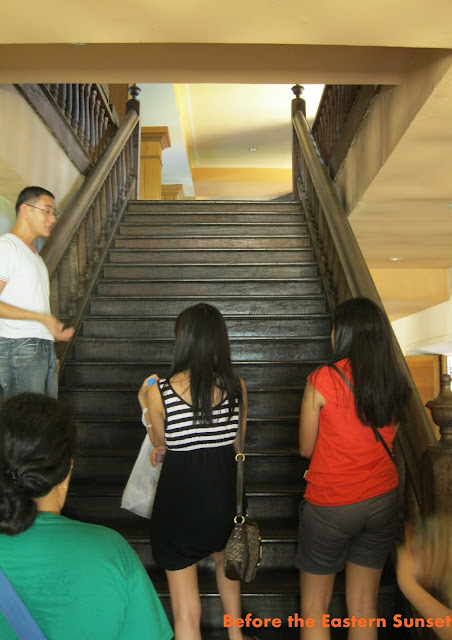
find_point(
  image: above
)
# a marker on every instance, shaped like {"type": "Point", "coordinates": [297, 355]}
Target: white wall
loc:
{"type": "Point", "coordinates": [158, 109]}
{"type": "Point", "coordinates": [428, 331]}
{"type": "Point", "coordinates": [29, 155]}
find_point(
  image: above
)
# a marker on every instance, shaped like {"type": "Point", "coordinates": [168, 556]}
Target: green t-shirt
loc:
{"type": "Point", "coordinates": [81, 582]}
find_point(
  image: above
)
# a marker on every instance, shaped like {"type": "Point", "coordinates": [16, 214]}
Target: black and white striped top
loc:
{"type": "Point", "coordinates": [182, 434]}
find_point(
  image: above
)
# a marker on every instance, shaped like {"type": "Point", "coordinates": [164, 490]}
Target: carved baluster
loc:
{"type": "Point", "coordinates": [75, 108]}
{"type": "Point", "coordinates": [115, 192]}
{"type": "Point", "coordinates": [81, 255]}
{"type": "Point", "coordinates": [336, 116]}
{"type": "Point", "coordinates": [325, 131]}
{"type": "Point", "coordinates": [96, 229]}
{"type": "Point", "coordinates": [119, 180]}
{"type": "Point", "coordinates": [81, 124]}
{"type": "Point", "coordinates": [437, 459]}
{"type": "Point", "coordinates": [68, 279]}
{"type": "Point", "coordinates": [321, 134]}
{"type": "Point", "coordinates": [69, 102]}
{"type": "Point", "coordinates": [92, 122]}
{"type": "Point", "coordinates": [128, 169]}
{"type": "Point", "coordinates": [97, 129]}
{"type": "Point", "coordinates": [131, 157]}
{"type": "Point", "coordinates": [122, 159]}
{"type": "Point", "coordinates": [89, 242]}
{"type": "Point", "coordinates": [329, 115]}
{"type": "Point", "coordinates": [332, 124]}
{"type": "Point", "coordinates": [341, 110]}
{"type": "Point", "coordinates": [118, 185]}
{"type": "Point", "coordinates": [62, 97]}
{"type": "Point", "coordinates": [101, 145]}
{"type": "Point", "coordinates": [55, 298]}
{"type": "Point", "coordinates": [87, 116]}
{"type": "Point", "coordinates": [62, 287]}
{"type": "Point", "coordinates": [109, 201]}
{"type": "Point", "coordinates": [105, 135]}
{"type": "Point", "coordinates": [54, 91]}
{"type": "Point", "coordinates": [103, 213]}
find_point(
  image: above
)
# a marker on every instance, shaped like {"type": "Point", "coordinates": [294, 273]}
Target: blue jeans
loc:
{"type": "Point", "coordinates": [28, 364]}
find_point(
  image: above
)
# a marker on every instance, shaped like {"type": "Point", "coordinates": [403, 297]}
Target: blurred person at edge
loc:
{"type": "Point", "coordinates": [77, 580]}
{"type": "Point", "coordinates": [424, 564]}
{"type": "Point", "coordinates": [28, 330]}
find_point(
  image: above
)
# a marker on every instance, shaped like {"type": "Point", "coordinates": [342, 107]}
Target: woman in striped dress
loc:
{"type": "Point", "coordinates": [194, 415]}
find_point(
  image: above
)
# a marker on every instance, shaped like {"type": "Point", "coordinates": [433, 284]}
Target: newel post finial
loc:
{"type": "Point", "coordinates": [297, 90]}
{"type": "Point", "coordinates": [437, 458]}
{"type": "Point", "coordinates": [134, 91]}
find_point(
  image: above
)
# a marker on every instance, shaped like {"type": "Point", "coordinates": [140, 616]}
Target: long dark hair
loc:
{"type": "Point", "coordinates": [202, 348]}
{"type": "Point", "coordinates": [37, 444]}
{"type": "Point", "coordinates": [362, 334]}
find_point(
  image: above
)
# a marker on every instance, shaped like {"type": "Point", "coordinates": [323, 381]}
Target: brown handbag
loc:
{"type": "Point", "coordinates": [243, 551]}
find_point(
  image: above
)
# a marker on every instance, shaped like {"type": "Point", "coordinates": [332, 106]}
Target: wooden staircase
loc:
{"type": "Point", "coordinates": [255, 262]}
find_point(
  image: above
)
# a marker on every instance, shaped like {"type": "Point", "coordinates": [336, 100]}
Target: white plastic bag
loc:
{"type": "Point", "coordinates": [139, 494]}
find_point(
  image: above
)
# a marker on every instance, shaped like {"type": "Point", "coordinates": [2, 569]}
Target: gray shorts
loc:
{"type": "Point", "coordinates": [362, 533]}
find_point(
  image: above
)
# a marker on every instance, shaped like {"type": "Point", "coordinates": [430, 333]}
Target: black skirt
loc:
{"type": "Point", "coordinates": [194, 506]}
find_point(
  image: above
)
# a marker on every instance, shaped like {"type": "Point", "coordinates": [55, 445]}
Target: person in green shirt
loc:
{"type": "Point", "coordinates": [79, 581]}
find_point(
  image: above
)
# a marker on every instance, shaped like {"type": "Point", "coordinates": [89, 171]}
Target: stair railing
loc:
{"type": "Point", "coordinates": [78, 115]}
{"type": "Point", "coordinates": [75, 251]}
{"type": "Point", "coordinates": [340, 115]}
{"type": "Point", "coordinates": [346, 275]}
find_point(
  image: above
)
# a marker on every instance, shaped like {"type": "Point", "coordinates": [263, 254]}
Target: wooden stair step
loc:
{"type": "Point", "coordinates": [150, 216]}
{"type": "Point", "coordinates": [124, 271]}
{"type": "Point", "coordinates": [96, 432]}
{"type": "Point", "coordinates": [250, 306]}
{"type": "Point", "coordinates": [99, 502]}
{"type": "Point", "coordinates": [163, 327]}
{"type": "Point", "coordinates": [160, 349]}
{"type": "Point", "coordinates": [212, 242]}
{"type": "Point", "coordinates": [85, 373]}
{"type": "Point", "coordinates": [174, 288]}
{"type": "Point", "coordinates": [225, 207]}
{"type": "Point", "coordinates": [233, 255]}
{"type": "Point", "coordinates": [190, 228]}
{"type": "Point", "coordinates": [264, 401]}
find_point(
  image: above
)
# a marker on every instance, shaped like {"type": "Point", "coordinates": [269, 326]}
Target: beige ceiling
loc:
{"type": "Point", "coordinates": [381, 23]}
{"type": "Point", "coordinates": [401, 211]}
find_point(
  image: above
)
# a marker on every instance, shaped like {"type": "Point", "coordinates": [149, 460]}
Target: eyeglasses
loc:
{"type": "Point", "coordinates": [46, 211]}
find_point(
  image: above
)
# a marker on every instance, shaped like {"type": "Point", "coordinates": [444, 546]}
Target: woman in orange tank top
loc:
{"type": "Point", "coordinates": [350, 516]}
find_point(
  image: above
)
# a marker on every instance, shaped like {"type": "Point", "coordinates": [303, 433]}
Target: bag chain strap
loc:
{"type": "Point", "coordinates": [240, 459]}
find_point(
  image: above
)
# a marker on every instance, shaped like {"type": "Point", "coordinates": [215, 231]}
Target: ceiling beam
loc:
{"type": "Point", "coordinates": [191, 63]}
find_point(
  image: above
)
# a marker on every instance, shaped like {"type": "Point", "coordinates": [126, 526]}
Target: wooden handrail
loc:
{"type": "Point", "coordinates": [77, 248]}
{"type": "Point", "coordinates": [335, 244]}
{"type": "Point", "coordinates": [58, 243]}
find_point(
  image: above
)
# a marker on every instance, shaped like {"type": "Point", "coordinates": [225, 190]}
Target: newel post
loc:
{"type": "Point", "coordinates": [437, 458]}
{"type": "Point", "coordinates": [298, 104]}
{"type": "Point", "coordinates": [134, 104]}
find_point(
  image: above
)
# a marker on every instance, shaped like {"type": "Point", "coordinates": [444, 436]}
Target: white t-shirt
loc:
{"type": "Point", "coordinates": [27, 287]}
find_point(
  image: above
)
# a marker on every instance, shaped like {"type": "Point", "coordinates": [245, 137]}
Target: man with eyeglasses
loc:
{"type": "Point", "coordinates": [28, 330]}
